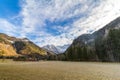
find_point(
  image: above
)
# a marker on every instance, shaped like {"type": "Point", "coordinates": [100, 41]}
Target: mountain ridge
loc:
{"type": "Point", "coordinates": [56, 49]}
{"type": "Point", "coordinates": [93, 47]}
{"type": "Point", "coordinates": [13, 47]}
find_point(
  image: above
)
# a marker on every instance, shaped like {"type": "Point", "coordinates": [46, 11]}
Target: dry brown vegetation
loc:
{"type": "Point", "coordinates": [55, 70]}
{"type": "Point", "coordinates": [7, 50]}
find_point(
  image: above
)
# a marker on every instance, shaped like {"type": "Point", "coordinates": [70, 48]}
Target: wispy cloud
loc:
{"type": "Point", "coordinates": [58, 22]}
{"type": "Point", "coordinates": [101, 15]}
{"type": "Point", "coordinates": [7, 27]}
{"type": "Point", "coordinates": [54, 18]}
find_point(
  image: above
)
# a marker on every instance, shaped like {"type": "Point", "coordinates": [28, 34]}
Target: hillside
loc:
{"type": "Point", "coordinates": [102, 45]}
{"type": "Point", "coordinates": [11, 46]}
{"type": "Point", "coordinates": [28, 47]}
{"type": "Point", "coordinates": [7, 50]}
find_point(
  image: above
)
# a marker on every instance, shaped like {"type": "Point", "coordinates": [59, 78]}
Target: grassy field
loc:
{"type": "Point", "coordinates": [55, 70]}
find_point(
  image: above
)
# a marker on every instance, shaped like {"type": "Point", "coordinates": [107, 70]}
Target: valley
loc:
{"type": "Point", "coordinates": [59, 39]}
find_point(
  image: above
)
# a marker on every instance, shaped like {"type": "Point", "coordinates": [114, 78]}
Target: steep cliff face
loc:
{"type": "Point", "coordinates": [102, 45]}
{"type": "Point", "coordinates": [108, 48]}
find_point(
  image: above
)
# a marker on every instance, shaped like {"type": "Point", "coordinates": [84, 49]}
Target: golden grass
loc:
{"type": "Point", "coordinates": [32, 48]}
{"type": "Point", "coordinates": [55, 70]}
{"type": "Point", "coordinates": [7, 50]}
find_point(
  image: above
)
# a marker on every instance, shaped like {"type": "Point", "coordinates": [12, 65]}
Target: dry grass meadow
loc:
{"type": "Point", "coordinates": [55, 70]}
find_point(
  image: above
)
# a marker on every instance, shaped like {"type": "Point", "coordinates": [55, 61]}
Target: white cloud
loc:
{"type": "Point", "coordinates": [36, 12]}
{"type": "Point", "coordinates": [7, 27]}
{"type": "Point", "coordinates": [80, 16]}
{"type": "Point", "coordinates": [49, 40]}
{"type": "Point", "coordinates": [107, 11]}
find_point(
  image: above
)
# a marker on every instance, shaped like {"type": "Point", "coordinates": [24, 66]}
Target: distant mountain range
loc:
{"type": "Point", "coordinates": [56, 49]}
{"type": "Point", "coordinates": [102, 45]}
{"type": "Point", "coordinates": [51, 48]}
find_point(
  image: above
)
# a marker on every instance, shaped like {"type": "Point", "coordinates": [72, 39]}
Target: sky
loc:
{"type": "Point", "coordinates": [55, 22]}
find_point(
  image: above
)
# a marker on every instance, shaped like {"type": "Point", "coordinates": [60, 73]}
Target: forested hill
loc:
{"type": "Point", "coordinates": [102, 45]}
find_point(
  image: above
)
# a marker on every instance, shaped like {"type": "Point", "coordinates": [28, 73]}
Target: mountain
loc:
{"type": "Point", "coordinates": [51, 48]}
{"type": "Point", "coordinates": [102, 45]}
{"type": "Point", "coordinates": [27, 47]}
{"type": "Point", "coordinates": [103, 32]}
{"type": "Point", "coordinates": [6, 48]}
{"type": "Point", "coordinates": [63, 48]}
{"type": "Point", "coordinates": [13, 47]}
{"type": "Point", "coordinates": [56, 49]}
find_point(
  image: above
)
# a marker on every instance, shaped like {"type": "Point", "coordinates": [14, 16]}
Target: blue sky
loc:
{"type": "Point", "coordinates": [9, 8]}
{"type": "Point", "coordinates": [56, 22]}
